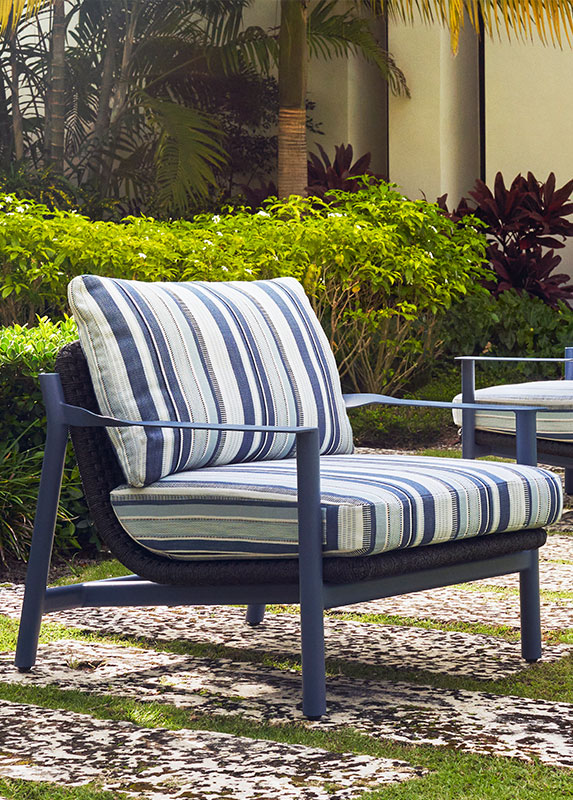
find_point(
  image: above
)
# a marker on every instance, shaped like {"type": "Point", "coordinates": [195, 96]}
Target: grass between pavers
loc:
{"type": "Point", "coordinates": [548, 681]}
{"type": "Point", "coordinates": [509, 591]}
{"type": "Point", "coordinates": [453, 775]}
{"type": "Point", "coordinates": [16, 789]}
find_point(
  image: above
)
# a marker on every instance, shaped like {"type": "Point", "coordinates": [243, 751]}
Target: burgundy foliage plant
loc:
{"type": "Point", "coordinates": [338, 174]}
{"type": "Point", "coordinates": [525, 224]}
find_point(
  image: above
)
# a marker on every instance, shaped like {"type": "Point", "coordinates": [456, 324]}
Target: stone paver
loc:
{"type": "Point", "coordinates": [557, 547]}
{"type": "Point", "coordinates": [447, 652]}
{"type": "Point", "coordinates": [471, 721]}
{"type": "Point", "coordinates": [457, 604]}
{"type": "Point", "coordinates": [72, 749]}
{"type": "Point", "coordinates": [41, 744]}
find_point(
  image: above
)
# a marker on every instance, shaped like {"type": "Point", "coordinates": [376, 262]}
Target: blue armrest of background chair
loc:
{"type": "Point", "coordinates": [484, 437]}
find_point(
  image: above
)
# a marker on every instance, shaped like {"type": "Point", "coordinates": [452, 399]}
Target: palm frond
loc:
{"type": "Point", "coordinates": [331, 33]}
{"type": "Point", "coordinates": [551, 20]}
{"type": "Point", "coordinates": [188, 151]}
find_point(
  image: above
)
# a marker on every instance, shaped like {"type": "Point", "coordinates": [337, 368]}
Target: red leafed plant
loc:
{"type": "Point", "coordinates": [338, 174]}
{"type": "Point", "coordinates": [525, 224]}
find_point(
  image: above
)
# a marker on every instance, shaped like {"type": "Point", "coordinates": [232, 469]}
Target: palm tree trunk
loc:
{"type": "Point", "coordinates": [120, 94]}
{"type": "Point", "coordinates": [54, 141]}
{"type": "Point", "coordinates": [292, 76]}
{"type": "Point", "coordinates": [103, 118]}
{"type": "Point", "coordinates": [17, 130]}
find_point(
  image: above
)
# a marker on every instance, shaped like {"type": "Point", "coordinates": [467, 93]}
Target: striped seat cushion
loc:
{"type": "Point", "coordinates": [237, 352]}
{"type": "Point", "coordinates": [370, 504]}
{"type": "Point", "coordinates": [555, 425]}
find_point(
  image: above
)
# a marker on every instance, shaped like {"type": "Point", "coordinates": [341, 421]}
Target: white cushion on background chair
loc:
{"type": "Point", "coordinates": [554, 394]}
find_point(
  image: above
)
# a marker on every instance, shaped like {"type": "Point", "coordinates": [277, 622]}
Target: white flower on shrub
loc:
{"type": "Point", "coordinates": [142, 255]}
{"type": "Point", "coordinates": [262, 214]}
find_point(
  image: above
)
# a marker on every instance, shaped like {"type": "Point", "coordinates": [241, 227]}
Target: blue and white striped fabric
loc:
{"type": "Point", "coordinates": [370, 504]}
{"type": "Point", "coordinates": [237, 352]}
{"type": "Point", "coordinates": [556, 425]}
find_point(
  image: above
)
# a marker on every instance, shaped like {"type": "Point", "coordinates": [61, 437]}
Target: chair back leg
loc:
{"type": "Point", "coordinates": [530, 609]}
{"type": "Point", "coordinates": [255, 614]}
{"type": "Point", "coordinates": [468, 414]}
{"type": "Point", "coordinates": [44, 527]}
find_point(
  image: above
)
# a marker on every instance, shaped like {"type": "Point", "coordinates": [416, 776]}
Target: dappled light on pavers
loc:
{"type": "Point", "coordinates": [63, 747]}
{"type": "Point", "coordinates": [470, 604]}
{"type": "Point", "coordinates": [472, 721]}
{"type": "Point", "coordinates": [397, 647]}
{"type": "Point", "coordinates": [148, 762]}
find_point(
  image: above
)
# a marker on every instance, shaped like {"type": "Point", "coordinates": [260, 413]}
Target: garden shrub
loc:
{"type": "Point", "coordinates": [511, 324]}
{"type": "Point", "coordinates": [381, 270]}
{"type": "Point", "coordinates": [24, 353]}
{"type": "Point", "coordinates": [411, 427]}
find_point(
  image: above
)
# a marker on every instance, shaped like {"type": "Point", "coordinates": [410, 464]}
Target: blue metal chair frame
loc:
{"type": "Point", "coordinates": [313, 594]}
{"type": "Point", "coordinates": [502, 444]}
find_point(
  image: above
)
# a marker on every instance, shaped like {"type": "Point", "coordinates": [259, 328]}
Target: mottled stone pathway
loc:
{"type": "Point", "coordinates": [472, 721]}
{"type": "Point", "coordinates": [398, 647]}
{"type": "Point", "coordinates": [44, 745]}
{"type": "Point", "coordinates": [470, 604]}
{"type": "Point", "coordinates": [72, 749]}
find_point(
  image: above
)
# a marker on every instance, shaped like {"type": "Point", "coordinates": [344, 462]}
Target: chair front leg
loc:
{"type": "Point", "coordinates": [310, 576]}
{"type": "Point", "coordinates": [530, 609]}
{"type": "Point", "coordinates": [44, 527]}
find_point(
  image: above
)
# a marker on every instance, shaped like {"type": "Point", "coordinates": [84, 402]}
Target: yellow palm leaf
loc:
{"type": "Point", "coordinates": [12, 10]}
{"type": "Point", "coordinates": [551, 19]}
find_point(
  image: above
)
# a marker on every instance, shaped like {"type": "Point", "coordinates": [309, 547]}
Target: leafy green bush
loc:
{"type": "Point", "coordinates": [380, 269]}
{"type": "Point", "coordinates": [24, 353]}
{"type": "Point", "coordinates": [410, 427]}
{"type": "Point", "coordinates": [512, 324]}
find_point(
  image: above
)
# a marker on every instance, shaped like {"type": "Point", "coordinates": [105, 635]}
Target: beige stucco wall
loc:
{"type": "Point", "coordinates": [529, 114]}
{"type": "Point", "coordinates": [434, 135]}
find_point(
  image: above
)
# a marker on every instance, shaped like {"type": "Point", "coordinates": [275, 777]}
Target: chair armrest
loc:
{"type": "Point", "coordinates": [525, 428]}
{"type": "Point", "coordinates": [511, 358]}
{"type": "Point", "coordinates": [358, 400]}
{"type": "Point", "coordinates": [82, 418]}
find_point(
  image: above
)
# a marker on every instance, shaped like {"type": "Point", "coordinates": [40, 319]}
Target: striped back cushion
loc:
{"type": "Point", "coordinates": [236, 352]}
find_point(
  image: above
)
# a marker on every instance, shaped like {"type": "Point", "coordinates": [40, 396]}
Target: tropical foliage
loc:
{"type": "Point", "coordinates": [160, 102]}
{"type": "Point", "coordinates": [340, 173]}
{"type": "Point", "coordinates": [525, 224]}
{"type": "Point", "coordinates": [24, 353]}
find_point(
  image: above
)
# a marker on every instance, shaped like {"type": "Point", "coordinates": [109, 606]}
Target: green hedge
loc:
{"type": "Point", "coordinates": [512, 324]}
{"type": "Point", "coordinates": [381, 270]}
{"type": "Point", "coordinates": [24, 353]}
